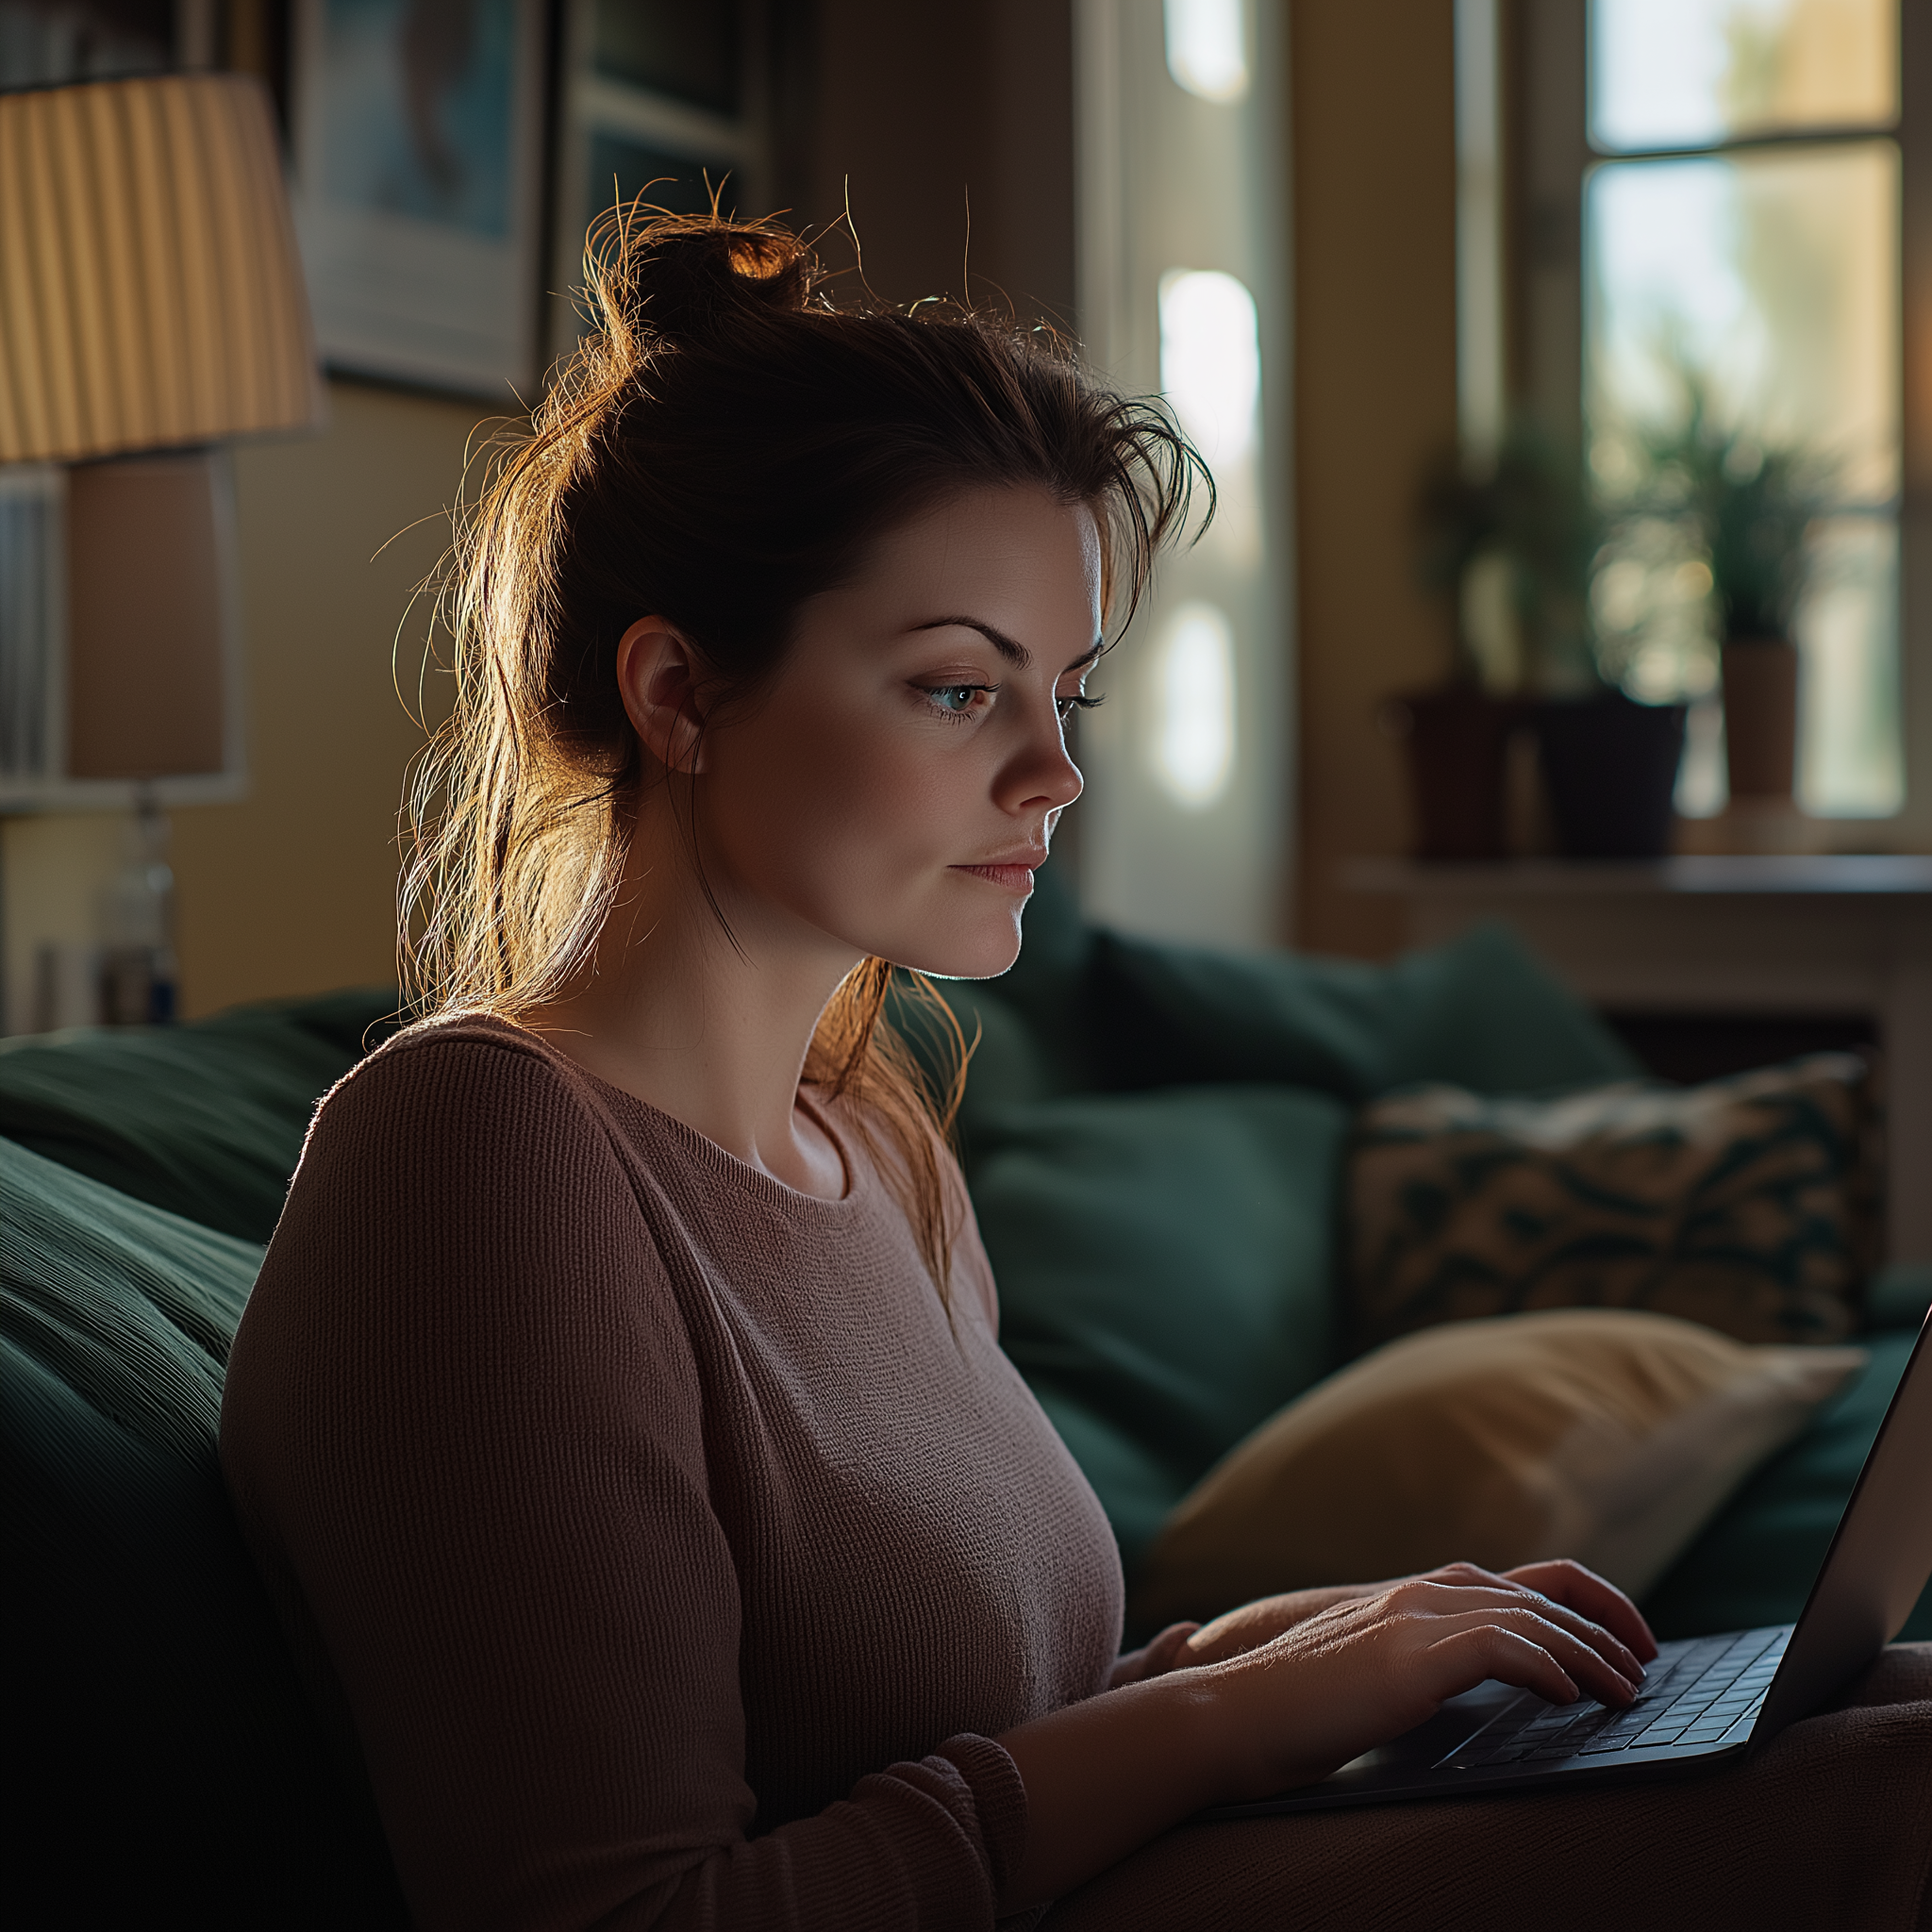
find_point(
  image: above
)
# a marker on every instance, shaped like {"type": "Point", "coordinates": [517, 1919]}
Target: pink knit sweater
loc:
{"type": "Point", "coordinates": [668, 1554]}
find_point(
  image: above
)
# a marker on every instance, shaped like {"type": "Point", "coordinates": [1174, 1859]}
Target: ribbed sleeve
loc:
{"type": "Point", "coordinates": [516, 1458]}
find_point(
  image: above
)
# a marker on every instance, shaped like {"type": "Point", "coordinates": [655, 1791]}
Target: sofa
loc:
{"type": "Point", "coordinates": [1156, 1137]}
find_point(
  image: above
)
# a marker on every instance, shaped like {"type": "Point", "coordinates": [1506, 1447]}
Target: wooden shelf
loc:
{"type": "Point", "coordinates": [1884, 875]}
{"type": "Point", "coordinates": [1817, 934]}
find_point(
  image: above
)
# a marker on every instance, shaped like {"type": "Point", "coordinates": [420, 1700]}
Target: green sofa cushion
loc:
{"type": "Point", "coordinates": [1755, 1563]}
{"type": "Point", "coordinates": [1166, 1271]}
{"type": "Point", "coordinates": [1480, 1012]}
{"type": "Point", "coordinates": [1086, 1010]}
{"type": "Point", "coordinates": [179, 1776]}
{"type": "Point", "coordinates": [206, 1120]}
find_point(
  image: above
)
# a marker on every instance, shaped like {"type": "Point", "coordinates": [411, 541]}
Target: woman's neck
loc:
{"type": "Point", "coordinates": [712, 1032]}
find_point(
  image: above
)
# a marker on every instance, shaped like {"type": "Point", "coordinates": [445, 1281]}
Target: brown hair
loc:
{"type": "Point", "coordinates": [723, 445]}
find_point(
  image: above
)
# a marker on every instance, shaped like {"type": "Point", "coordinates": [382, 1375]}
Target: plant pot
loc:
{"type": "Point", "coordinates": [1611, 767]}
{"type": "Point", "coordinates": [1760, 677]}
{"type": "Point", "coordinates": [1456, 737]}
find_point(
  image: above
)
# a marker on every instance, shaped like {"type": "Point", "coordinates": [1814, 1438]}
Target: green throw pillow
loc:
{"type": "Point", "coordinates": [206, 1120]}
{"type": "Point", "coordinates": [1085, 1010]}
{"type": "Point", "coordinates": [170, 1769]}
{"type": "Point", "coordinates": [1166, 1271]}
{"type": "Point", "coordinates": [1480, 1012]}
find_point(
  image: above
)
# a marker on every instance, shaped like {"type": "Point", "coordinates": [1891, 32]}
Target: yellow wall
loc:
{"type": "Point", "coordinates": [1373, 132]}
{"type": "Point", "coordinates": [293, 889]}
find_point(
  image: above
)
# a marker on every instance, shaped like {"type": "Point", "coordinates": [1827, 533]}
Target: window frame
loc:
{"type": "Point", "coordinates": [1544, 57]}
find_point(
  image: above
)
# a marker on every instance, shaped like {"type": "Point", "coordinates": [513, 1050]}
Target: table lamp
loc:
{"type": "Point", "coordinates": [152, 311]}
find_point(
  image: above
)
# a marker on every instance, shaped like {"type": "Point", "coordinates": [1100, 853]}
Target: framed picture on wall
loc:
{"type": "Point", "coordinates": [661, 94]}
{"type": "Point", "coordinates": [418, 131]}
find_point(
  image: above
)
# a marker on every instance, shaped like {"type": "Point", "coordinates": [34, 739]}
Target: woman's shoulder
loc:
{"type": "Point", "coordinates": [471, 1096]}
{"type": "Point", "coordinates": [454, 1167]}
{"type": "Point", "coordinates": [485, 1040]}
{"type": "Point", "coordinates": [454, 1062]}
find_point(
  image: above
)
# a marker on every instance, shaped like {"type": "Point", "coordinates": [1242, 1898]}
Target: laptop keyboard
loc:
{"type": "Point", "coordinates": [1695, 1693]}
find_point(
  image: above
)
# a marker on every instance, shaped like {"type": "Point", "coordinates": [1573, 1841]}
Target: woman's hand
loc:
{"type": "Point", "coordinates": [1253, 1625]}
{"type": "Point", "coordinates": [1366, 1668]}
{"type": "Point", "coordinates": [1293, 1687]}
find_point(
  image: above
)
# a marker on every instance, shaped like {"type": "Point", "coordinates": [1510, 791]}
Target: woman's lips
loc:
{"type": "Point", "coordinates": [1015, 878]}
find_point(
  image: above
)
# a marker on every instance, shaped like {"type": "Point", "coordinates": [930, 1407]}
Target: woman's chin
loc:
{"type": "Point", "coordinates": [984, 953]}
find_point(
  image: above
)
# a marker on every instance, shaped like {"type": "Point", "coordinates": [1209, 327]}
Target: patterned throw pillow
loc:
{"type": "Point", "coordinates": [1749, 1204]}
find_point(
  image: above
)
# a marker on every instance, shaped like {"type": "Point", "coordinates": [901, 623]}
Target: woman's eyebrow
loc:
{"type": "Point", "coordinates": [1012, 649]}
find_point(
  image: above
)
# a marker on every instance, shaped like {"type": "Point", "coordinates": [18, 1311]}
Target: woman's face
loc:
{"type": "Point", "coordinates": [893, 787]}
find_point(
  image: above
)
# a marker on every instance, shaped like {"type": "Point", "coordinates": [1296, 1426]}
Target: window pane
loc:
{"type": "Point", "coordinates": [1772, 278]}
{"type": "Point", "coordinates": [1850, 760]}
{"type": "Point", "coordinates": [1775, 274]}
{"type": "Point", "coordinates": [1693, 72]}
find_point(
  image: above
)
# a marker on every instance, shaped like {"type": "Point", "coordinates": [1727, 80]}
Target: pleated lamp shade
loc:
{"type": "Point", "coordinates": [151, 294]}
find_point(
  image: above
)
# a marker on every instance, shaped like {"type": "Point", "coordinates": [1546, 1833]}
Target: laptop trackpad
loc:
{"type": "Point", "coordinates": [1415, 1750]}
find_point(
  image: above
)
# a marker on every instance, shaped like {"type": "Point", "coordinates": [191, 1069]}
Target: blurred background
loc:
{"type": "Point", "coordinates": [1565, 367]}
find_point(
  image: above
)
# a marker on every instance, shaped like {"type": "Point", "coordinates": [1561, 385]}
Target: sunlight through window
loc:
{"type": "Point", "coordinates": [1206, 51]}
{"type": "Point", "coordinates": [1763, 275]}
{"type": "Point", "coordinates": [1193, 745]}
{"type": "Point", "coordinates": [1211, 360]}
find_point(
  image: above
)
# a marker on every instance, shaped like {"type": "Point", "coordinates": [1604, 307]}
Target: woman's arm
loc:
{"type": "Point", "coordinates": [1105, 1776]}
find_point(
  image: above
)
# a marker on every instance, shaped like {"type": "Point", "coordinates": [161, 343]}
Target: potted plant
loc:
{"type": "Point", "coordinates": [1745, 508]}
{"type": "Point", "coordinates": [1514, 542]}
{"type": "Point", "coordinates": [1492, 545]}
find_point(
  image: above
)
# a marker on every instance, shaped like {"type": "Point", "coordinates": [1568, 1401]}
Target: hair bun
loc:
{"type": "Point", "coordinates": [679, 279]}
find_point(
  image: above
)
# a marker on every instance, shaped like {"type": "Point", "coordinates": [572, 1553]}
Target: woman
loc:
{"type": "Point", "coordinates": [619, 1419]}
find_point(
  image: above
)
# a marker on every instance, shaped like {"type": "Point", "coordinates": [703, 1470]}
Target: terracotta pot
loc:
{"type": "Point", "coordinates": [1761, 716]}
{"type": "Point", "coordinates": [1455, 737]}
{"type": "Point", "coordinates": [1610, 766]}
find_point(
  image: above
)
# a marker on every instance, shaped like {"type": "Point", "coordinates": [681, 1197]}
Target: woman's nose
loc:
{"type": "Point", "coordinates": [1041, 775]}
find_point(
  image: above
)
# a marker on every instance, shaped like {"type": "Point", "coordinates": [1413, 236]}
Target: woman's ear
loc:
{"type": "Point", "coordinates": [659, 675]}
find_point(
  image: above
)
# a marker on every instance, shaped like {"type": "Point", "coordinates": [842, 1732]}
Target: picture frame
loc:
{"type": "Point", "coordinates": [664, 95]}
{"type": "Point", "coordinates": [416, 139]}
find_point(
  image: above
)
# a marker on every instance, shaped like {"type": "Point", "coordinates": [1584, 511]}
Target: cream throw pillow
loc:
{"type": "Point", "coordinates": [1602, 1434]}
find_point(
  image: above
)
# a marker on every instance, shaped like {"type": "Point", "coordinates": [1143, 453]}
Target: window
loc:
{"type": "Point", "coordinates": [1731, 194]}
{"type": "Point", "coordinates": [1740, 233]}
{"type": "Point", "coordinates": [1182, 831]}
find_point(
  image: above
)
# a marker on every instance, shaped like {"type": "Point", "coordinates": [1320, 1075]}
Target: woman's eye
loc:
{"type": "Point", "coordinates": [957, 700]}
{"type": "Point", "coordinates": [1074, 701]}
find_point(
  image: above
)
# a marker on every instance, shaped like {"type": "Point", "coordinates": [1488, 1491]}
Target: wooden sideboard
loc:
{"type": "Point", "coordinates": [1726, 936]}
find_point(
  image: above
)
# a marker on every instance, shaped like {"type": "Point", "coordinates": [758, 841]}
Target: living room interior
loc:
{"type": "Point", "coordinates": [1423, 833]}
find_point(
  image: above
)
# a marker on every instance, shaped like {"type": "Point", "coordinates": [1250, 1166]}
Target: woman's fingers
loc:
{"type": "Point", "coordinates": [1365, 1669]}
{"type": "Point", "coordinates": [1583, 1664]}
{"type": "Point", "coordinates": [1153, 1660]}
{"type": "Point", "coordinates": [1500, 1596]}
{"type": "Point", "coordinates": [1163, 1651]}
{"type": "Point", "coordinates": [1568, 1582]}
{"type": "Point", "coordinates": [1463, 1660]}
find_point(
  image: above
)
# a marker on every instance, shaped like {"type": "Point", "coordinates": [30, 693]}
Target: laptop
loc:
{"type": "Point", "coordinates": [1707, 1700]}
